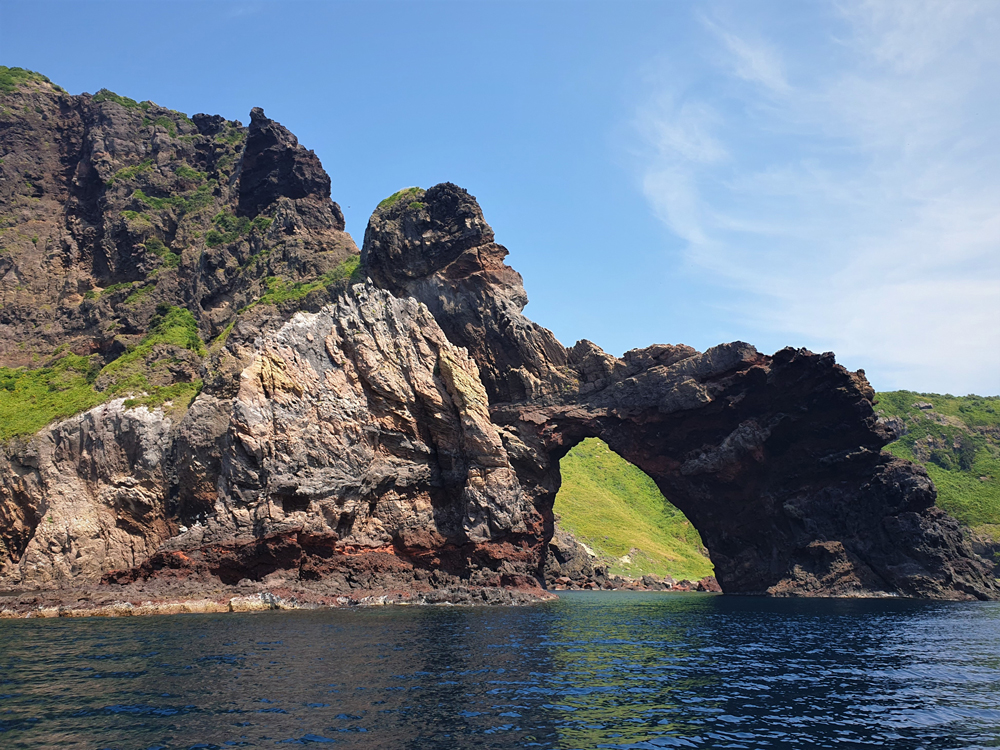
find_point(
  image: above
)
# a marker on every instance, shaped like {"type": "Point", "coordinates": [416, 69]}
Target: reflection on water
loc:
{"type": "Point", "coordinates": [615, 670]}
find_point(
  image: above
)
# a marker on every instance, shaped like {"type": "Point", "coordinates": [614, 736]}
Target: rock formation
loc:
{"type": "Point", "coordinates": [395, 434]}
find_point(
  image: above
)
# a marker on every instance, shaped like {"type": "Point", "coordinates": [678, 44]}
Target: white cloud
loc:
{"type": "Point", "coordinates": [858, 204]}
{"type": "Point", "coordinates": [751, 59]}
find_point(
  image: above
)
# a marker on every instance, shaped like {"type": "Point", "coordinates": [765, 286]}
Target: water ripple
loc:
{"type": "Point", "coordinates": [591, 670]}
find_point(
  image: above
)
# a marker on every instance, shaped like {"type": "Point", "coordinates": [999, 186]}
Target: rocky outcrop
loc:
{"type": "Point", "coordinates": [362, 428]}
{"type": "Point", "coordinates": [775, 460]}
{"type": "Point", "coordinates": [435, 246]}
{"type": "Point", "coordinates": [399, 437]}
{"type": "Point", "coordinates": [111, 207]}
{"type": "Point", "coordinates": [86, 495]}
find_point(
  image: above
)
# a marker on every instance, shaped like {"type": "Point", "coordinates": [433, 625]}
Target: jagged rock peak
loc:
{"type": "Point", "coordinates": [275, 166]}
{"type": "Point", "coordinates": [434, 245]}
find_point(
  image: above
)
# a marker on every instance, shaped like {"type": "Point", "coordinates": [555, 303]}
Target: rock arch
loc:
{"type": "Point", "coordinates": [776, 460]}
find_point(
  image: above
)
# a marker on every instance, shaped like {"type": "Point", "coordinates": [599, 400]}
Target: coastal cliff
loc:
{"type": "Point", "coordinates": [210, 391]}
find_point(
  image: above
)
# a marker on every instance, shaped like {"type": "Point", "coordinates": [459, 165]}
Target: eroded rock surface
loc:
{"type": "Point", "coordinates": [394, 438]}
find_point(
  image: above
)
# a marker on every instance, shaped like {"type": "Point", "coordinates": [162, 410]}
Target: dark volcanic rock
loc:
{"type": "Point", "coordinates": [435, 246]}
{"type": "Point", "coordinates": [99, 200]}
{"type": "Point", "coordinates": [389, 439]}
{"type": "Point", "coordinates": [275, 166]}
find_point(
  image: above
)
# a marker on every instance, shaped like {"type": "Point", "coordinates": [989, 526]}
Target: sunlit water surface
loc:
{"type": "Point", "coordinates": [616, 670]}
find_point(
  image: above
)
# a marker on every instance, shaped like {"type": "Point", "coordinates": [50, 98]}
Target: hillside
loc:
{"type": "Point", "coordinates": [957, 439]}
{"type": "Point", "coordinates": [617, 511]}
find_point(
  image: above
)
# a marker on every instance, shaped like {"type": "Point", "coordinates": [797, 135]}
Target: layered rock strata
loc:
{"type": "Point", "coordinates": [398, 437]}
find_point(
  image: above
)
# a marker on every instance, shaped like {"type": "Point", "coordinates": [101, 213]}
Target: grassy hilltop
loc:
{"type": "Point", "coordinates": [615, 509]}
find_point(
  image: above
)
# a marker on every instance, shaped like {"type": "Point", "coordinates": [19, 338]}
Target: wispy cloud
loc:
{"type": "Point", "coordinates": [856, 202]}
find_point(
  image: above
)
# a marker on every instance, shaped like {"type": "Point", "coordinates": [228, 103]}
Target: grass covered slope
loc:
{"type": "Point", "coordinates": [69, 384]}
{"type": "Point", "coordinates": [618, 511]}
{"type": "Point", "coordinates": [957, 439]}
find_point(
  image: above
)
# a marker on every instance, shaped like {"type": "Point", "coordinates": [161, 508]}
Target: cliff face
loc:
{"type": "Point", "coordinates": [110, 208]}
{"type": "Point", "coordinates": [394, 434]}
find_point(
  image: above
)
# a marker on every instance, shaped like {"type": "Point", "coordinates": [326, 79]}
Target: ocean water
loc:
{"type": "Point", "coordinates": [592, 670]}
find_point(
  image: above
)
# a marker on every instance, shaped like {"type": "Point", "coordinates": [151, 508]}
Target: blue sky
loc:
{"type": "Point", "coordinates": [808, 174]}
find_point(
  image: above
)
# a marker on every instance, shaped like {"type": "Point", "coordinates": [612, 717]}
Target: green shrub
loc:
{"type": "Point", "coordinates": [128, 173]}
{"type": "Point", "coordinates": [280, 291]}
{"type": "Point", "coordinates": [11, 78]}
{"type": "Point", "coordinates": [104, 95]}
{"type": "Point", "coordinates": [187, 202]}
{"type": "Point", "coordinates": [31, 399]}
{"type": "Point", "coordinates": [139, 293]}
{"type": "Point", "coordinates": [187, 173]}
{"type": "Point", "coordinates": [156, 246]}
{"type": "Point", "coordinates": [165, 122]}
{"type": "Point", "coordinates": [135, 217]}
{"type": "Point", "coordinates": [172, 325]}
{"type": "Point", "coordinates": [116, 287]}
{"type": "Point", "coordinates": [413, 192]}
{"type": "Point", "coordinates": [230, 228]}
{"type": "Point", "coordinates": [181, 394]}
{"type": "Point", "coordinates": [232, 135]}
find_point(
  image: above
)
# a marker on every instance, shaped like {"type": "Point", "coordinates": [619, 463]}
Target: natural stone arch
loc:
{"type": "Point", "coordinates": [776, 460]}
{"type": "Point", "coordinates": [787, 495]}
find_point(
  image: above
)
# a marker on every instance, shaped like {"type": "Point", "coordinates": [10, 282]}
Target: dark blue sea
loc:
{"type": "Point", "coordinates": [592, 670]}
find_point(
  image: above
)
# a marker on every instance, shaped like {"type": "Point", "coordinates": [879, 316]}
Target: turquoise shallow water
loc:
{"type": "Point", "coordinates": [608, 670]}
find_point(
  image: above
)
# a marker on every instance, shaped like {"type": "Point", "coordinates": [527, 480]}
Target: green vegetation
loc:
{"type": "Point", "coordinates": [165, 122]}
{"type": "Point", "coordinates": [413, 192]}
{"type": "Point", "coordinates": [134, 217]}
{"type": "Point", "coordinates": [230, 228]}
{"type": "Point", "coordinates": [180, 394]}
{"type": "Point", "coordinates": [128, 173]}
{"type": "Point", "coordinates": [138, 293]}
{"type": "Point", "coordinates": [11, 78]}
{"type": "Point", "coordinates": [617, 511]}
{"type": "Point", "coordinates": [232, 135]}
{"type": "Point", "coordinates": [220, 341]}
{"type": "Point", "coordinates": [98, 293]}
{"type": "Point", "coordinates": [128, 374]}
{"type": "Point", "coordinates": [156, 246]}
{"type": "Point", "coordinates": [31, 399]}
{"type": "Point", "coordinates": [116, 287]}
{"type": "Point", "coordinates": [415, 205]}
{"type": "Point", "coordinates": [957, 440]}
{"type": "Point", "coordinates": [104, 95]}
{"type": "Point", "coordinates": [279, 290]}
{"type": "Point", "coordinates": [187, 173]}
{"type": "Point", "coordinates": [187, 202]}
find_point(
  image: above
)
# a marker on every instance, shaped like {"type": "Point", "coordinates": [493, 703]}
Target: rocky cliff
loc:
{"type": "Point", "coordinates": [264, 408]}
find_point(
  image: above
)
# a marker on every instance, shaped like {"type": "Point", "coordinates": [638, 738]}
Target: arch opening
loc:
{"type": "Point", "coordinates": [622, 521]}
